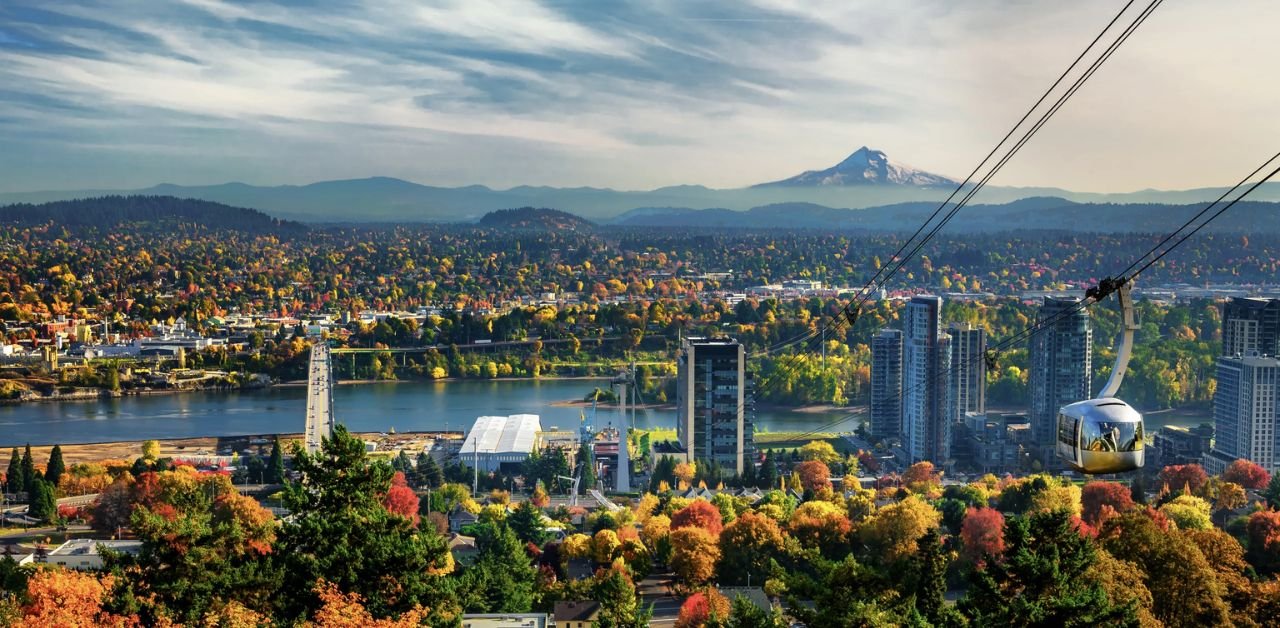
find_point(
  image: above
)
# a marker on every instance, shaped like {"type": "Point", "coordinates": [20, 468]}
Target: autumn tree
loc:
{"type": "Point", "coordinates": [1263, 530]}
{"type": "Point", "coordinates": [151, 450]}
{"type": "Point", "coordinates": [1188, 512]}
{"type": "Point", "coordinates": [695, 553]}
{"type": "Point", "coordinates": [821, 525]}
{"type": "Point", "coordinates": [983, 534]}
{"type": "Point", "coordinates": [814, 475]}
{"type": "Point", "coordinates": [1180, 476]}
{"type": "Point", "coordinates": [747, 547]}
{"type": "Point", "coordinates": [347, 610]}
{"type": "Point", "coordinates": [64, 598]}
{"type": "Point", "coordinates": [892, 532]}
{"type": "Point", "coordinates": [700, 513]}
{"type": "Point", "coordinates": [1247, 473]}
{"type": "Point", "coordinates": [1099, 494]}
{"type": "Point", "coordinates": [684, 472]}
{"type": "Point", "coordinates": [1184, 589]}
{"type": "Point", "coordinates": [921, 478]}
{"type": "Point", "coordinates": [821, 451]}
{"type": "Point", "coordinates": [400, 499]}
{"type": "Point", "coordinates": [702, 606]}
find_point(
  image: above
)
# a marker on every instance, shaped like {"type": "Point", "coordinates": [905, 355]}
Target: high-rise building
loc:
{"type": "Point", "coordinates": [925, 358]}
{"type": "Point", "coordinates": [1061, 366]}
{"type": "Point", "coordinates": [1251, 327]}
{"type": "Point", "coordinates": [967, 390]}
{"type": "Point", "coordinates": [714, 414]}
{"type": "Point", "coordinates": [886, 384]}
{"type": "Point", "coordinates": [1244, 413]}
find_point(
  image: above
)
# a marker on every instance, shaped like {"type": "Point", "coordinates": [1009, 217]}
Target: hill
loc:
{"type": "Point", "coordinates": [109, 211]}
{"type": "Point", "coordinates": [539, 218]}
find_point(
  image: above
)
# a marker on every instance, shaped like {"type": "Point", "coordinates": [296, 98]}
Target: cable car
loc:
{"type": "Point", "coordinates": [1105, 434]}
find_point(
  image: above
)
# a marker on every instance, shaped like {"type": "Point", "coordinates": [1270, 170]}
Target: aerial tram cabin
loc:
{"type": "Point", "coordinates": [1105, 434]}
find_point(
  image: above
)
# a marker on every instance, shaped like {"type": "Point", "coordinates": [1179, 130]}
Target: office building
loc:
{"type": "Point", "coordinates": [1061, 360]}
{"type": "Point", "coordinates": [1251, 327]}
{"type": "Point", "coordinates": [714, 413]}
{"type": "Point", "coordinates": [926, 357]}
{"type": "Point", "coordinates": [967, 391]}
{"type": "Point", "coordinates": [886, 384]}
{"type": "Point", "coordinates": [1244, 413]}
{"type": "Point", "coordinates": [1175, 444]}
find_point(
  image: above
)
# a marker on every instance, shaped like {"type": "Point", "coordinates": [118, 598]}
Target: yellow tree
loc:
{"type": "Point", "coordinates": [694, 556]}
{"type": "Point", "coordinates": [821, 451]}
{"type": "Point", "coordinates": [893, 531]}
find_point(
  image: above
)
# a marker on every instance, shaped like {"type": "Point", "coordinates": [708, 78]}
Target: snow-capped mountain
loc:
{"type": "Point", "coordinates": [865, 167]}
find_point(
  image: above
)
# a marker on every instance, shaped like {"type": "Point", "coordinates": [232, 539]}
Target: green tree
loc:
{"type": "Point", "coordinates": [1272, 492]}
{"type": "Point", "coordinates": [29, 473]}
{"type": "Point", "coordinates": [769, 472]}
{"type": "Point", "coordinates": [502, 580]}
{"type": "Point", "coordinates": [42, 504]}
{"type": "Point", "coordinates": [930, 572]}
{"type": "Point", "coordinates": [428, 472]}
{"type": "Point", "coordinates": [275, 463]}
{"type": "Point", "coordinates": [743, 613]}
{"type": "Point", "coordinates": [619, 603]}
{"type": "Point", "coordinates": [528, 524]}
{"type": "Point", "coordinates": [53, 472]}
{"type": "Point", "coordinates": [588, 461]}
{"type": "Point", "coordinates": [340, 531]}
{"type": "Point", "coordinates": [1042, 581]}
{"type": "Point", "coordinates": [16, 482]}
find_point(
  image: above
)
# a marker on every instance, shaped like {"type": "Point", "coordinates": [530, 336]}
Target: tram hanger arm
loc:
{"type": "Point", "coordinates": [1125, 350]}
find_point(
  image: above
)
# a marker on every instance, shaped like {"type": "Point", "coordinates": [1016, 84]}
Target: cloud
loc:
{"type": "Point", "coordinates": [623, 93]}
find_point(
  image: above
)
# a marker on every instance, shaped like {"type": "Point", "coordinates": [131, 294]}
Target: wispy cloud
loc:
{"type": "Point", "coordinates": [622, 93]}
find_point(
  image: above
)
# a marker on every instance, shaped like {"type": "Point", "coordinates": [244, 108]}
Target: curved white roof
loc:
{"type": "Point", "coordinates": [503, 434]}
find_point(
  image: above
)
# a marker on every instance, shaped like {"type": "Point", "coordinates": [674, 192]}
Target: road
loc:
{"type": "Point", "coordinates": [656, 590]}
{"type": "Point", "coordinates": [319, 397]}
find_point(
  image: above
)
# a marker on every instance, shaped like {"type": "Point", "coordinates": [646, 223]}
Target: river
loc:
{"type": "Point", "coordinates": [364, 407]}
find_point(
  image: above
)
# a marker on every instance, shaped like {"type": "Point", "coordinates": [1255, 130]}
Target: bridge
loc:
{"type": "Point", "coordinates": [319, 397]}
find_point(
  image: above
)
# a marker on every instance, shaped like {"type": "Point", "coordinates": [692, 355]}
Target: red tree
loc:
{"type": "Point", "coordinates": [983, 533]}
{"type": "Point", "coordinates": [1247, 474]}
{"type": "Point", "coordinates": [400, 499]}
{"type": "Point", "coordinates": [814, 475]}
{"type": "Point", "coordinates": [921, 473]}
{"type": "Point", "coordinates": [1178, 476]}
{"type": "Point", "coordinates": [1097, 494]}
{"type": "Point", "coordinates": [699, 514]}
{"type": "Point", "coordinates": [1264, 539]}
{"type": "Point", "coordinates": [697, 609]}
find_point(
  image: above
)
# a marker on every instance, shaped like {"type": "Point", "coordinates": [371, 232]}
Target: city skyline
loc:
{"type": "Point", "coordinates": [124, 94]}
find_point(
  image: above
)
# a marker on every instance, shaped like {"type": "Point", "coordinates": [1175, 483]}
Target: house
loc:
{"type": "Point", "coordinates": [580, 614]}
{"type": "Point", "coordinates": [463, 548]}
{"type": "Point", "coordinates": [459, 517]}
{"type": "Point", "coordinates": [82, 554]}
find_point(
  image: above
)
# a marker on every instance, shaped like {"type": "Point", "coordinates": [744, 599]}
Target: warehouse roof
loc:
{"type": "Point", "coordinates": [500, 434]}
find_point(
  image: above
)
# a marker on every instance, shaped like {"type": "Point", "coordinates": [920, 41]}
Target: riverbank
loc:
{"type": "Point", "coordinates": [202, 446]}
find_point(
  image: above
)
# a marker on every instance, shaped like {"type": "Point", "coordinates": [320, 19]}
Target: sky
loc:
{"type": "Point", "coordinates": [622, 94]}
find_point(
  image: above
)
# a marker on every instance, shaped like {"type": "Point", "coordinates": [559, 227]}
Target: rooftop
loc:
{"type": "Point", "coordinates": [499, 434]}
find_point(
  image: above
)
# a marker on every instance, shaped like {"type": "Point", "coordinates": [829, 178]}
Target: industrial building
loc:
{"type": "Point", "coordinates": [501, 442]}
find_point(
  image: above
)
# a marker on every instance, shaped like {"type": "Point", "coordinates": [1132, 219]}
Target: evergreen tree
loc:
{"type": "Point", "coordinates": [930, 567]}
{"type": "Point", "coordinates": [1138, 489]}
{"type": "Point", "coordinates": [429, 472]}
{"type": "Point", "coordinates": [42, 503]}
{"type": "Point", "coordinates": [401, 463]}
{"type": "Point", "coordinates": [1043, 580]}
{"type": "Point", "coordinates": [588, 460]}
{"type": "Point", "coordinates": [743, 613]}
{"type": "Point", "coordinates": [1272, 492]}
{"type": "Point", "coordinates": [502, 580]}
{"type": "Point", "coordinates": [769, 472]}
{"type": "Point", "coordinates": [53, 472]}
{"type": "Point", "coordinates": [749, 477]}
{"type": "Point", "coordinates": [275, 463]}
{"type": "Point", "coordinates": [15, 481]}
{"type": "Point", "coordinates": [29, 473]}
{"type": "Point", "coordinates": [340, 531]}
{"type": "Point", "coordinates": [619, 605]}
{"type": "Point", "coordinates": [527, 522]}
{"type": "Point", "coordinates": [663, 471]}
{"type": "Point", "coordinates": [139, 467]}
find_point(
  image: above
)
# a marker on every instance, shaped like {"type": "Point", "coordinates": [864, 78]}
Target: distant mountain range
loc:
{"type": "Point", "coordinates": [866, 179]}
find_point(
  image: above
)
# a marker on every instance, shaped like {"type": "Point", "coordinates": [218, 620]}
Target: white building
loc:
{"type": "Point", "coordinates": [1245, 416]}
{"type": "Point", "coordinates": [497, 440]}
{"type": "Point", "coordinates": [82, 554]}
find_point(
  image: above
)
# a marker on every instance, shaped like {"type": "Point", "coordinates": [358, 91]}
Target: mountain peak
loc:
{"type": "Point", "coordinates": [865, 166]}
